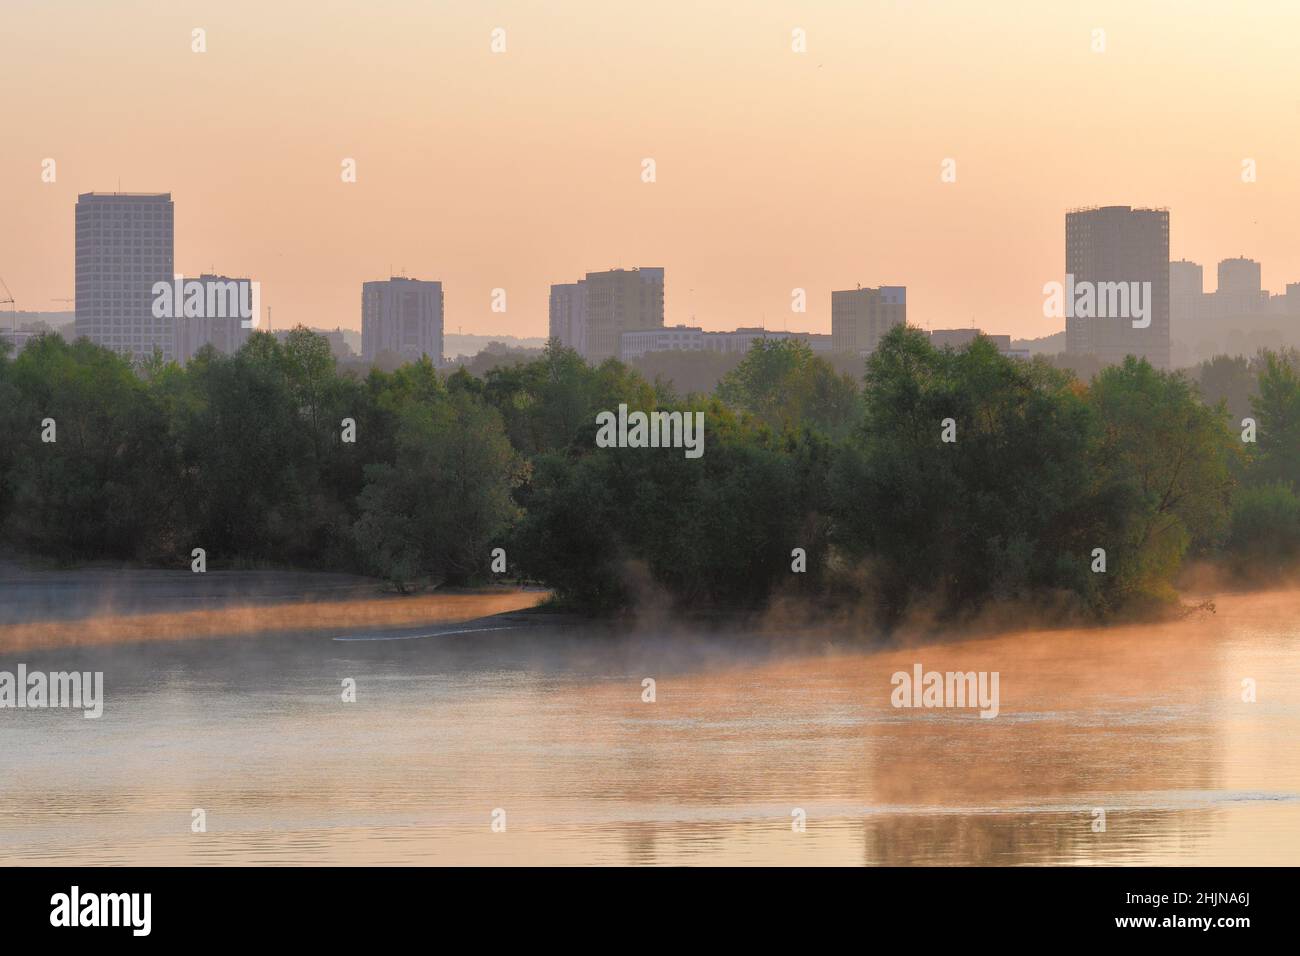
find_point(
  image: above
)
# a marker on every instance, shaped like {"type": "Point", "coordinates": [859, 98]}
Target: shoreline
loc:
{"type": "Point", "coordinates": [97, 606]}
{"type": "Point", "coordinates": [103, 604]}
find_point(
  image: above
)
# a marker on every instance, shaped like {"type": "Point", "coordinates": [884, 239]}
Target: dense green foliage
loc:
{"type": "Point", "coordinates": [936, 479]}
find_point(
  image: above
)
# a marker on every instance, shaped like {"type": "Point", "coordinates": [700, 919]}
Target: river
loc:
{"type": "Point", "coordinates": [538, 745]}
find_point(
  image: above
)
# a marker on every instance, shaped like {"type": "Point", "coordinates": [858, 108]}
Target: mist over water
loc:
{"type": "Point", "coordinates": [548, 723]}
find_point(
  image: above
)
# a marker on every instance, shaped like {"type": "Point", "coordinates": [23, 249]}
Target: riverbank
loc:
{"type": "Point", "coordinates": [105, 604]}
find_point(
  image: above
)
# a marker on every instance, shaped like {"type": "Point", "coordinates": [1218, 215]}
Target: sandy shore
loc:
{"type": "Point", "coordinates": [99, 605]}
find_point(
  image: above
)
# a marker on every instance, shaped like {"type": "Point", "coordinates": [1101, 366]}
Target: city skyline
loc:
{"type": "Point", "coordinates": [124, 250]}
{"type": "Point", "coordinates": [777, 177]}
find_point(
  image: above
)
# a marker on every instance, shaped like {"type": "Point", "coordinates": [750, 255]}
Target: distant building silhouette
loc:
{"type": "Point", "coordinates": [1237, 318]}
{"type": "Point", "coordinates": [860, 317]}
{"type": "Point", "coordinates": [124, 244]}
{"type": "Point", "coordinates": [674, 338]}
{"type": "Point", "coordinates": [568, 315]}
{"type": "Point", "coordinates": [692, 338]}
{"type": "Point", "coordinates": [1240, 275]}
{"type": "Point", "coordinates": [1114, 244]}
{"type": "Point", "coordinates": [1240, 290]}
{"type": "Point", "coordinates": [743, 339]}
{"type": "Point", "coordinates": [402, 316]}
{"type": "Point", "coordinates": [1186, 278]}
{"type": "Point", "coordinates": [224, 333]}
{"type": "Point", "coordinates": [592, 314]}
{"type": "Point", "coordinates": [958, 339]}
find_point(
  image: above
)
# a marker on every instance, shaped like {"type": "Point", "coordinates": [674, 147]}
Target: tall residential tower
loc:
{"type": "Point", "coordinates": [1119, 244]}
{"type": "Point", "coordinates": [568, 315]}
{"type": "Point", "coordinates": [592, 314]}
{"type": "Point", "coordinates": [860, 317]}
{"type": "Point", "coordinates": [125, 243]}
{"type": "Point", "coordinates": [402, 316]}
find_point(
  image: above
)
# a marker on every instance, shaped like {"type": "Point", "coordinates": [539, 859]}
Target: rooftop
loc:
{"type": "Point", "coordinates": [82, 196]}
{"type": "Point", "coordinates": [1120, 209]}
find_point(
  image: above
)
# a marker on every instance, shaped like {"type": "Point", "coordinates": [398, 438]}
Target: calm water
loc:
{"type": "Point", "coordinates": [549, 725]}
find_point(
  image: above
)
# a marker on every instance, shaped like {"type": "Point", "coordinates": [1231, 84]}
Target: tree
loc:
{"type": "Point", "coordinates": [1163, 458]}
{"type": "Point", "coordinates": [1229, 379]}
{"type": "Point", "coordinates": [250, 481]}
{"type": "Point", "coordinates": [1277, 410]}
{"type": "Point", "coordinates": [785, 385]}
{"type": "Point", "coordinates": [603, 525]}
{"type": "Point", "coordinates": [435, 511]}
{"type": "Point", "coordinates": [94, 490]}
{"type": "Point", "coordinates": [999, 512]}
{"type": "Point", "coordinates": [1264, 537]}
{"type": "Point", "coordinates": [11, 414]}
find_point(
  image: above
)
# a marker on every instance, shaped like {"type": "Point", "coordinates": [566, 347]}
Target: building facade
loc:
{"type": "Point", "coordinates": [743, 339]}
{"type": "Point", "coordinates": [1186, 293]}
{"type": "Point", "coordinates": [568, 315]}
{"type": "Point", "coordinates": [676, 338]}
{"type": "Point", "coordinates": [125, 242]}
{"type": "Point", "coordinates": [1237, 318]}
{"type": "Point", "coordinates": [402, 316]}
{"type": "Point", "coordinates": [594, 312]}
{"type": "Point", "coordinates": [225, 333]}
{"type": "Point", "coordinates": [1119, 244]}
{"type": "Point", "coordinates": [860, 317]}
{"type": "Point", "coordinates": [1240, 275]}
{"type": "Point", "coordinates": [1240, 290]}
{"type": "Point", "coordinates": [958, 339]}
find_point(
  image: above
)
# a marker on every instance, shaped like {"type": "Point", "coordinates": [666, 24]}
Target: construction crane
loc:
{"type": "Point", "coordinates": [13, 308]}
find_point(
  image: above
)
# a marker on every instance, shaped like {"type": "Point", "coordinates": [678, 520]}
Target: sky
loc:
{"type": "Point", "coordinates": [774, 170]}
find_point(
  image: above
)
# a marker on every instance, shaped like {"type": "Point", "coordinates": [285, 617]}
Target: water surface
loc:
{"type": "Point", "coordinates": [548, 724]}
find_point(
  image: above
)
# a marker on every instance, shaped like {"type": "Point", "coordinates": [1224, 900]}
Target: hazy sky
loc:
{"type": "Point", "coordinates": [775, 170]}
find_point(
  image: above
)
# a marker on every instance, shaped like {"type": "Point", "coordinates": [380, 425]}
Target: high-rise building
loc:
{"type": "Point", "coordinates": [860, 317]}
{"type": "Point", "coordinates": [568, 314]}
{"type": "Point", "coordinates": [1186, 278]}
{"type": "Point", "coordinates": [1240, 275]}
{"type": "Point", "coordinates": [1291, 300]}
{"type": "Point", "coordinates": [607, 304]}
{"type": "Point", "coordinates": [1241, 289]}
{"type": "Point", "coordinates": [222, 328]}
{"type": "Point", "coordinates": [125, 244]}
{"type": "Point", "coordinates": [1187, 299]}
{"type": "Point", "coordinates": [1238, 318]}
{"type": "Point", "coordinates": [1119, 244]}
{"type": "Point", "coordinates": [402, 316]}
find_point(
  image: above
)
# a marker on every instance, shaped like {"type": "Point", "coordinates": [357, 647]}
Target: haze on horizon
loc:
{"type": "Point", "coordinates": [775, 170]}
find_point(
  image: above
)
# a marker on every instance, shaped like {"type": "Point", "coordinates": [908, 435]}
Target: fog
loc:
{"type": "Point", "coordinates": [224, 693]}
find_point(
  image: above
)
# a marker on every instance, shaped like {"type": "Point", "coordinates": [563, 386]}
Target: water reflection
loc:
{"type": "Point", "coordinates": [1144, 723]}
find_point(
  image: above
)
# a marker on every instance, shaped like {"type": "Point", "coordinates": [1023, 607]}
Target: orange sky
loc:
{"type": "Point", "coordinates": [775, 170]}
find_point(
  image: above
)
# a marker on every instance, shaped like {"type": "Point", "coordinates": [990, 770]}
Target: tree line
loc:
{"type": "Point", "coordinates": [949, 479]}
